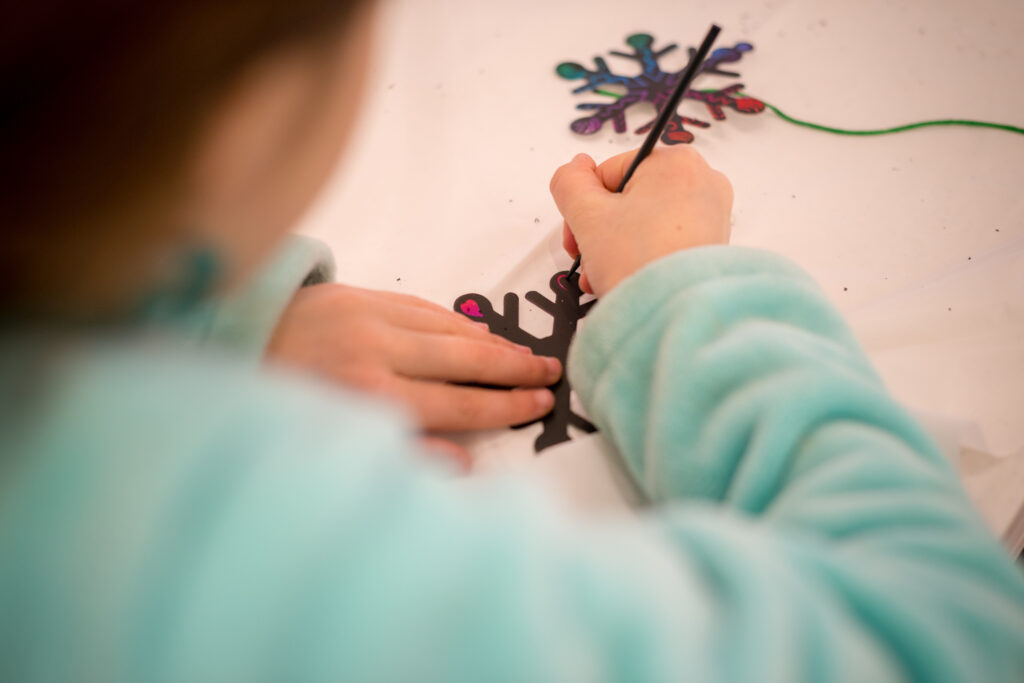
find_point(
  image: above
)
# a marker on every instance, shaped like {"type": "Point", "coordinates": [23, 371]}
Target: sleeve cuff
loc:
{"type": "Point", "coordinates": [244, 319]}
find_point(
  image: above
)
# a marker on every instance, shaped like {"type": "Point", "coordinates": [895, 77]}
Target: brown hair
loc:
{"type": "Point", "coordinates": [101, 101]}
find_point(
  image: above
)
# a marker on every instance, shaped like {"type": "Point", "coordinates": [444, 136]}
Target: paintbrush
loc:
{"type": "Point", "coordinates": [666, 115]}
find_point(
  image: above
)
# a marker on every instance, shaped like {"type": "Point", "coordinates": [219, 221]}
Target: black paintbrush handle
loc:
{"type": "Point", "coordinates": [666, 114]}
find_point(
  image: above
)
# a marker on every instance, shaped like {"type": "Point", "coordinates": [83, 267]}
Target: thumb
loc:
{"type": "Point", "coordinates": [576, 185]}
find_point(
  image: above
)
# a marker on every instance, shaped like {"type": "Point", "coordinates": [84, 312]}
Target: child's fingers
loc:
{"type": "Point", "coordinates": [412, 313]}
{"type": "Point", "coordinates": [613, 170]}
{"type": "Point", "coordinates": [408, 301]}
{"type": "Point", "coordinates": [569, 241]}
{"type": "Point", "coordinates": [437, 321]}
{"type": "Point", "coordinates": [451, 408]}
{"type": "Point", "coordinates": [575, 186]}
{"type": "Point", "coordinates": [460, 359]}
{"type": "Point", "coordinates": [585, 283]}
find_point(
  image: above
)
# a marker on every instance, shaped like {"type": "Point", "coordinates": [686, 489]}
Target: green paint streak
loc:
{"type": "Point", "coordinates": [609, 94]}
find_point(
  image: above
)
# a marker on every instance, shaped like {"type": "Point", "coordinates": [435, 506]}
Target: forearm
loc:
{"type": "Point", "coordinates": [713, 371]}
{"type": "Point", "coordinates": [723, 374]}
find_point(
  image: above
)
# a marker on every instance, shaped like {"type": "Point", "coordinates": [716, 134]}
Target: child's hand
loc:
{"type": "Point", "coordinates": [410, 350]}
{"type": "Point", "coordinates": [673, 201]}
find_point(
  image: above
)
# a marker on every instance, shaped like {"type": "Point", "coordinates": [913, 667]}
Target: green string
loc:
{"type": "Point", "coordinates": [880, 131]}
{"type": "Point", "coordinates": [896, 129]}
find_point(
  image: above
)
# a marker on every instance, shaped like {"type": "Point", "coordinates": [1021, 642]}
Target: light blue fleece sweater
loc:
{"type": "Point", "coordinates": [171, 511]}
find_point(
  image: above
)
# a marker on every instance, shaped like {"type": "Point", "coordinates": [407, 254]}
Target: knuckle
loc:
{"type": "Point", "coordinates": [525, 368]}
{"type": "Point", "coordinates": [560, 178]}
{"type": "Point", "coordinates": [472, 354]}
{"type": "Point", "coordinates": [685, 158]}
{"type": "Point", "coordinates": [467, 406]}
{"type": "Point", "coordinates": [535, 369]}
{"type": "Point", "coordinates": [345, 300]}
{"type": "Point", "coordinates": [522, 406]}
{"type": "Point", "coordinates": [491, 353]}
{"type": "Point", "coordinates": [360, 336]}
{"type": "Point", "coordinates": [724, 185]}
{"type": "Point", "coordinates": [556, 180]}
{"type": "Point", "coordinates": [375, 338]}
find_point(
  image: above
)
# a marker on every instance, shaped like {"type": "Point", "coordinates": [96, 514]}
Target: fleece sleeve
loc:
{"type": "Point", "coordinates": [802, 527]}
{"type": "Point", "coordinates": [243, 319]}
{"type": "Point", "coordinates": [723, 375]}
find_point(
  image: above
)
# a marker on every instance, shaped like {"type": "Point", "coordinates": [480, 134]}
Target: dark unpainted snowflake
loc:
{"type": "Point", "coordinates": [655, 86]}
{"type": "Point", "coordinates": [566, 312]}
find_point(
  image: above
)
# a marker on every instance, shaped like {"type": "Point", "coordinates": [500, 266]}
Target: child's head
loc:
{"type": "Point", "coordinates": [134, 132]}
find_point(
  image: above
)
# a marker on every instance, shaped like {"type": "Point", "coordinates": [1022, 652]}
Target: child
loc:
{"type": "Point", "coordinates": [174, 508]}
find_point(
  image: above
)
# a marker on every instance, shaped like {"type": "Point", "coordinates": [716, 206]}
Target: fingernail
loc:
{"type": "Point", "coordinates": [544, 398]}
{"type": "Point", "coordinates": [482, 326]}
{"type": "Point", "coordinates": [580, 157]}
{"type": "Point", "coordinates": [554, 367]}
{"type": "Point", "coordinates": [522, 349]}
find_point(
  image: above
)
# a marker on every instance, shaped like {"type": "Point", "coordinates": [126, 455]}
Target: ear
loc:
{"type": "Point", "coordinates": [271, 141]}
{"type": "Point", "coordinates": [281, 126]}
{"type": "Point", "coordinates": [250, 127]}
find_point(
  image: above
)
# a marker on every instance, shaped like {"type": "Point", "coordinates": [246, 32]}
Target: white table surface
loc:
{"type": "Point", "coordinates": [918, 238]}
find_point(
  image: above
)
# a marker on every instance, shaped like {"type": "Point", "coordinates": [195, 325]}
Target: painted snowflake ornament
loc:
{"type": "Point", "coordinates": [654, 85]}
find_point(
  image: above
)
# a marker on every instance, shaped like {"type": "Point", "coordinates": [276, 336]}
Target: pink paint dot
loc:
{"type": "Point", "coordinates": [471, 308]}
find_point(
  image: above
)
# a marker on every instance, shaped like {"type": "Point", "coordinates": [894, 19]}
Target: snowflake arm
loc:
{"type": "Point", "coordinates": [542, 302]}
{"type": "Point", "coordinates": [595, 79]}
{"type": "Point", "coordinates": [720, 55]}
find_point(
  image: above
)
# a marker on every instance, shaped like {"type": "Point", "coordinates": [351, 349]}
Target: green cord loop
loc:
{"type": "Point", "coordinates": [879, 131]}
